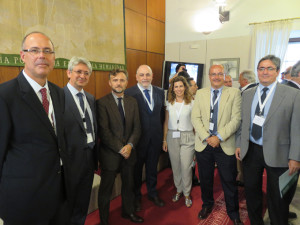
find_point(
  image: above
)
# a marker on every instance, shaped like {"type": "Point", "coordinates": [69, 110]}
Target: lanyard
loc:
{"type": "Point", "coordinates": [178, 113]}
{"type": "Point", "coordinates": [262, 105]}
{"type": "Point", "coordinates": [213, 104]}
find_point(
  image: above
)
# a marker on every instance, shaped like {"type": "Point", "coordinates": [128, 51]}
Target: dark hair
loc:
{"type": "Point", "coordinates": [171, 95]}
{"type": "Point", "coordinates": [116, 71]}
{"type": "Point", "coordinates": [178, 66]}
{"type": "Point", "coordinates": [184, 74]}
{"type": "Point", "coordinates": [275, 60]}
{"type": "Point", "coordinates": [189, 79]}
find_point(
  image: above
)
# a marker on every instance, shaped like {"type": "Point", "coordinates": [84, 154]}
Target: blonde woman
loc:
{"type": "Point", "coordinates": [179, 139]}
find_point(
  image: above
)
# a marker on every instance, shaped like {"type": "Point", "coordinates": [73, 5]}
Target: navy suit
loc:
{"type": "Point", "coordinates": [31, 176]}
{"type": "Point", "coordinates": [150, 144]}
{"type": "Point", "coordinates": [83, 159]}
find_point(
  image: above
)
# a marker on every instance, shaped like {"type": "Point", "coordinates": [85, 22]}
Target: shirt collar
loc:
{"type": "Point", "coordinates": [35, 85]}
{"type": "Point", "coordinates": [142, 88]}
{"type": "Point", "coordinates": [73, 90]}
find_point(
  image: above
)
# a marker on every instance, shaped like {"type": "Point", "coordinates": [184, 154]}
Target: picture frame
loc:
{"type": "Point", "coordinates": [231, 66]}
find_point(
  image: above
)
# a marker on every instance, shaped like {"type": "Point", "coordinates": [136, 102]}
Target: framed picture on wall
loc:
{"type": "Point", "coordinates": [231, 66]}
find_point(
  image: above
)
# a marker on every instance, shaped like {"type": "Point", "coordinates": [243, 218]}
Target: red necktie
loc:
{"type": "Point", "coordinates": [45, 99]}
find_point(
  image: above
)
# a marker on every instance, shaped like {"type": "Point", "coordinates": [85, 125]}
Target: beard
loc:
{"type": "Point", "coordinates": [118, 92]}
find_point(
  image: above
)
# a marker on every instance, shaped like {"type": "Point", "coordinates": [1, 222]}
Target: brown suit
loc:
{"type": "Point", "coordinates": [113, 138]}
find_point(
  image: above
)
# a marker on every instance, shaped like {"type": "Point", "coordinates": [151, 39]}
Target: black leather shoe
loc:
{"type": "Point", "coordinates": [292, 216]}
{"type": "Point", "coordinates": [157, 201]}
{"type": "Point", "coordinates": [237, 222]}
{"type": "Point", "coordinates": [204, 213]}
{"type": "Point", "coordinates": [138, 205]}
{"type": "Point", "coordinates": [133, 218]}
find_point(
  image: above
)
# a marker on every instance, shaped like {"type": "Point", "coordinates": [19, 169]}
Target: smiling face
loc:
{"type": "Point", "coordinates": [267, 73]}
{"type": "Point", "coordinates": [144, 76]}
{"type": "Point", "coordinates": [79, 76]}
{"type": "Point", "coordinates": [216, 76]}
{"type": "Point", "coordinates": [179, 89]}
{"type": "Point", "coordinates": [37, 66]}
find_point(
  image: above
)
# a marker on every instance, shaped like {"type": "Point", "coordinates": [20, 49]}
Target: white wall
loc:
{"type": "Point", "coordinates": [232, 41]}
{"type": "Point", "coordinates": [205, 50]}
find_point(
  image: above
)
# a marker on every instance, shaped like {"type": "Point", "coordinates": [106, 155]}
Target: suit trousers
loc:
{"type": "Point", "coordinates": [227, 170]}
{"type": "Point", "coordinates": [181, 152]}
{"type": "Point", "coordinates": [253, 166]}
{"type": "Point", "coordinates": [149, 156]}
{"type": "Point", "coordinates": [83, 190]}
{"type": "Point", "coordinates": [106, 187]}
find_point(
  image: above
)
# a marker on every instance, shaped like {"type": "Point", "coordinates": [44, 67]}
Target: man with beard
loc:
{"type": "Point", "coordinates": [119, 132]}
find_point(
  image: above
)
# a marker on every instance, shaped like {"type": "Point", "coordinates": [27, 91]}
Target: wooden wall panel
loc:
{"type": "Point", "coordinates": [134, 60]}
{"type": "Point", "coordinates": [102, 86]}
{"type": "Point", "coordinates": [8, 72]}
{"type": "Point", "coordinates": [156, 9]}
{"type": "Point", "coordinates": [155, 61]}
{"type": "Point", "coordinates": [57, 77]}
{"type": "Point", "coordinates": [135, 25]}
{"type": "Point", "coordinates": [137, 6]}
{"type": "Point", "coordinates": [155, 36]}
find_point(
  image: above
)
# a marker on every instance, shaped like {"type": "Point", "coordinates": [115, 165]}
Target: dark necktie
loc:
{"type": "Point", "coordinates": [45, 100]}
{"type": "Point", "coordinates": [257, 130]}
{"type": "Point", "coordinates": [214, 111]}
{"type": "Point", "coordinates": [120, 107]}
{"type": "Point", "coordinates": [86, 114]}
{"type": "Point", "coordinates": [146, 91]}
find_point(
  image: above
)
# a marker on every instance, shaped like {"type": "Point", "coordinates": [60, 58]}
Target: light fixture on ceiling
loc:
{"type": "Point", "coordinates": [223, 15]}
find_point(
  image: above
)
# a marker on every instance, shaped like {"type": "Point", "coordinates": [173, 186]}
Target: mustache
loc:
{"type": "Point", "coordinates": [44, 62]}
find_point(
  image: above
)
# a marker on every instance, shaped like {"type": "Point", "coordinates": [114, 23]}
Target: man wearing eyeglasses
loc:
{"type": "Point", "coordinates": [286, 75]}
{"type": "Point", "coordinates": [32, 154]}
{"type": "Point", "coordinates": [216, 116]}
{"type": "Point", "coordinates": [80, 136]}
{"type": "Point", "coordinates": [268, 138]}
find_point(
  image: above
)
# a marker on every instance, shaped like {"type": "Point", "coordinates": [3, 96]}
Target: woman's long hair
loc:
{"type": "Point", "coordinates": [171, 94]}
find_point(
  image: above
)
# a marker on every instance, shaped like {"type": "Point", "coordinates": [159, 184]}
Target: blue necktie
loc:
{"type": "Point", "coordinates": [257, 130]}
{"type": "Point", "coordinates": [87, 118]}
{"type": "Point", "coordinates": [214, 111]}
{"type": "Point", "coordinates": [146, 91]}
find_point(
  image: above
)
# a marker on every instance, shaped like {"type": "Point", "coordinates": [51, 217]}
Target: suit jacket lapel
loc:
{"type": "Point", "coordinates": [70, 102]}
{"type": "Point", "coordinates": [276, 101]}
{"type": "Point", "coordinates": [223, 100]}
{"type": "Point", "coordinates": [33, 101]}
{"type": "Point", "coordinates": [92, 106]}
{"type": "Point", "coordinates": [114, 109]}
{"type": "Point", "coordinates": [206, 98]}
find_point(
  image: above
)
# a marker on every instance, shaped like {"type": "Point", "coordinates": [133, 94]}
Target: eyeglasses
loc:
{"type": "Point", "coordinates": [216, 74]}
{"type": "Point", "coordinates": [269, 69]}
{"type": "Point", "coordinates": [79, 72]}
{"type": "Point", "coordinates": [37, 51]}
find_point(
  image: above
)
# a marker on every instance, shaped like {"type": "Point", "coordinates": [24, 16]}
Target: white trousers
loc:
{"type": "Point", "coordinates": [181, 152]}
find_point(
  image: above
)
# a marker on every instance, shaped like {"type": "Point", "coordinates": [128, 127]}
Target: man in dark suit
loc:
{"type": "Point", "coordinates": [151, 106]}
{"type": "Point", "coordinates": [268, 138]}
{"type": "Point", "coordinates": [80, 136]}
{"type": "Point", "coordinates": [119, 132]}
{"type": "Point", "coordinates": [32, 154]}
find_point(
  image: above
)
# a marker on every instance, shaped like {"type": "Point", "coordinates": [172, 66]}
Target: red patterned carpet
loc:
{"type": "Point", "coordinates": [175, 213]}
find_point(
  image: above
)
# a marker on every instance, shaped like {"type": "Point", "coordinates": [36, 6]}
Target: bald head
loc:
{"type": "Point", "coordinates": [228, 81]}
{"type": "Point", "coordinates": [144, 76]}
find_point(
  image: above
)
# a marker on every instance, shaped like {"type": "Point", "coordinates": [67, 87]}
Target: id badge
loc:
{"type": "Point", "coordinates": [211, 126]}
{"type": "Point", "coordinates": [89, 137]}
{"type": "Point", "coordinates": [176, 134]}
{"type": "Point", "coordinates": [259, 120]}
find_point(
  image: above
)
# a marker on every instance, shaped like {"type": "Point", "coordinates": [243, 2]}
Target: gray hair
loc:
{"type": "Point", "coordinates": [249, 75]}
{"type": "Point", "coordinates": [275, 60]}
{"type": "Point", "coordinates": [34, 32]}
{"type": "Point", "coordinates": [295, 70]}
{"type": "Point", "coordinates": [79, 60]}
